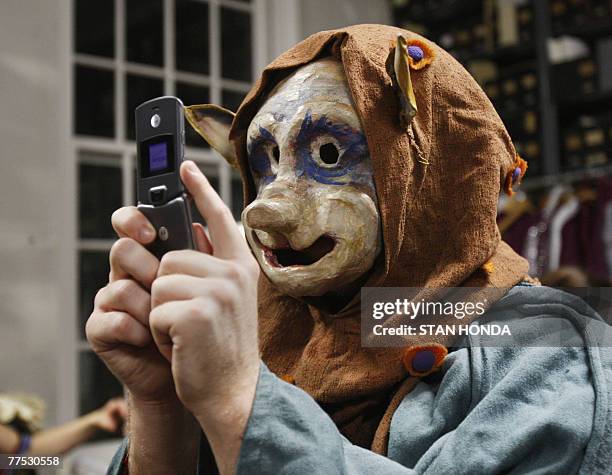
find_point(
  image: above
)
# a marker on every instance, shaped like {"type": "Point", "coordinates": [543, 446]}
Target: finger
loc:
{"type": "Point", "coordinates": [122, 409]}
{"type": "Point", "coordinates": [176, 287]}
{"type": "Point", "coordinates": [224, 233]}
{"type": "Point", "coordinates": [194, 263]}
{"type": "Point", "coordinates": [161, 319]}
{"type": "Point", "coordinates": [181, 318]}
{"type": "Point", "coordinates": [125, 295]}
{"type": "Point", "coordinates": [129, 222]}
{"type": "Point", "coordinates": [202, 242]}
{"type": "Point", "coordinates": [115, 403]}
{"type": "Point", "coordinates": [105, 330]}
{"type": "Point", "coordinates": [129, 259]}
{"type": "Point", "coordinates": [117, 407]}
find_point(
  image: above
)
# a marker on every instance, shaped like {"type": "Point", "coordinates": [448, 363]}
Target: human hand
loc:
{"type": "Point", "coordinates": [118, 329]}
{"type": "Point", "coordinates": [204, 311]}
{"type": "Point", "coordinates": [110, 416]}
{"type": "Point", "coordinates": [163, 434]}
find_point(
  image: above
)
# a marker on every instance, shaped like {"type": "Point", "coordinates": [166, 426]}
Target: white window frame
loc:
{"type": "Point", "coordinates": [120, 146]}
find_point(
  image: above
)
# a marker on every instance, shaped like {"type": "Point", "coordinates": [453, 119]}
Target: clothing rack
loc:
{"type": "Point", "coordinates": [546, 181]}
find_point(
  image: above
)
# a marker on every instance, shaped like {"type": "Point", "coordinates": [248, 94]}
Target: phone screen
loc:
{"type": "Point", "coordinates": [156, 156]}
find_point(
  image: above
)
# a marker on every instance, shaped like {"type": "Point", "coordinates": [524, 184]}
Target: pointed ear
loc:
{"type": "Point", "coordinates": [398, 67]}
{"type": "Point", "coordinates": [213, 123]}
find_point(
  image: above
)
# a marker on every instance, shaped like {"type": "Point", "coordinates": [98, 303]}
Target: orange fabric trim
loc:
{"type": "Point", "coordinates": [532, 280]}
{"type": "Point", "coordinates": [508, 184]}
{"type": "Point", "coordinates": [439, 351]}
{"type": "Point", "coordinates": [488, 267]}
{"type": "Point", "coordinates": [288, 378]}
{"type": "Point", "coordinates": [380, 444]}
{"type": "Point", "coordinates": [428, 55]}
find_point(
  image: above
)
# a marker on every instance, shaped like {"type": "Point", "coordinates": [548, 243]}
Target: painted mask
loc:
{"type": "Point", "coordinates": [314, 226]}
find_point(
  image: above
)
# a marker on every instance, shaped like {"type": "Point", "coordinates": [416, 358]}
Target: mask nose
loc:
{"type": "Point", "coordinates": [278, 214]}
{"type": "Point", "coordinates": [276, 211]}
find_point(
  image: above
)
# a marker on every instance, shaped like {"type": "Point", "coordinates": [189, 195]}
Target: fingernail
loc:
{"type": "Point", "coordinates": [147, 234]}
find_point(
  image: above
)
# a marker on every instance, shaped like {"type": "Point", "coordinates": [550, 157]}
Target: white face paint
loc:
{"type": "Point", "coordinates": [314, 226]}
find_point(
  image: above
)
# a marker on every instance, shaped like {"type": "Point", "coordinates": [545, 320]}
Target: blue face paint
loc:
{"type": "Point", "coordinates": [259, 158]}
{"type": "Point", "coordinates": [353, 165]}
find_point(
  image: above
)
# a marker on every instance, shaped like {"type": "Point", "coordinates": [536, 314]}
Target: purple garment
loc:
{"type": "Point", "coordinates": [516, 234]}
{"type": "Point", "coordinates": [593, 234]}
{"type": "Point", "coordinates": [572, 251]}
{"type": "Point", "coordinates": [582, 237]}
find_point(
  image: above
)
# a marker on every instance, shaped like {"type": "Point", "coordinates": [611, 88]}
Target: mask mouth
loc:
{"type": "Point", "coordinates": [289, 257]}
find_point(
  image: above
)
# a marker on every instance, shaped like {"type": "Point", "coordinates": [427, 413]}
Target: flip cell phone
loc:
{"type": "Point", "coordinates": [160, 137]}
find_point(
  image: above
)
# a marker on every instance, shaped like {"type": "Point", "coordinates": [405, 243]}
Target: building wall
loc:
{"type": "Point", "coordinates": [35, 199]}
{"type": "Point", "coordinates": [290, 21]}
{"type": "Point", "coordinates": [318, 15]}
{"type": "Point", "coordinates": [38, 202]}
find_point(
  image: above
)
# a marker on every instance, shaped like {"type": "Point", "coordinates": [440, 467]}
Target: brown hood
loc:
{"type": "Point", "coordinates": [438, 219]}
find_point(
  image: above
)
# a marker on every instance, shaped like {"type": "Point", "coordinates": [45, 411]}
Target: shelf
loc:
{"type": "Point", "coordinates": [447, 12]}
{"type": "Point", "coordinates": [591, 102]}
{"type": "Point", "coordinates": [507, 53]}
{"type": "Point", "coordinates": [553, 112]}
{"type": "Point", "coordinates": [545, 181]}
{"type": "Point", "coordinates": [598, 28]}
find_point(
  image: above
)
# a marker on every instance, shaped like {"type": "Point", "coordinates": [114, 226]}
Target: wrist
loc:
{"type": "Point", "coordinates": [90, 421]}
{"type": "Point", "coordinates": [154, 406]}
{"type": "Point", "coordinates": [224, 419]}
{"type": "Point", "coordinates": [220, 414]}
{"type": "Point", "coordinates": [164, 437]}
{"type": "Point", "coordinates": [169, 414]}
{"type": "Point", "coordinates": [229, 405]}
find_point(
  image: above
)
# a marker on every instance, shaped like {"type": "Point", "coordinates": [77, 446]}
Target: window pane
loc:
{"type": "Point", "coordinates": [212, 174]}
{"type": "Point", "coordinates": [94, 102]}
{"type": "Point", "coordinates": [145, 31]}
{"type": "Point", "coordinates": [192, 36]}
{"type": "Point", "coordinates": [94, 27]}
{"type": "Point", "coordinates": [98, 385]}
{"type": "Point", "coordinates": [93, 275]}
{"type": "Point", "coordinates": [139, 90]}
{"type": "Point", "coordinates": [237, 197]}
{"type": "Point", "coordinates": [191, 95]}
{"type": "Point", "coordinates": [99, 195]}
{"type": "Point", "coordinates": [235, 45]}
{"type": "Point", "coordinates": [231, 99]}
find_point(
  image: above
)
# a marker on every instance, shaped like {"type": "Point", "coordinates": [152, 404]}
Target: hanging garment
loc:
{"type": "Point", "coordinates": [536, 246]}
{"type": "Point", "coordinates": [558, 220]}
{"type": "Point", "coordinates": [598, 241]}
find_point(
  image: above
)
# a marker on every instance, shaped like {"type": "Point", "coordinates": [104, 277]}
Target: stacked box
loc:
{"type": "Point", "coordinates": [575, 79]}
{"type": "Point", "coordinates": [572, 14]}
{"type": "Point", "coordinates": [586, 142]}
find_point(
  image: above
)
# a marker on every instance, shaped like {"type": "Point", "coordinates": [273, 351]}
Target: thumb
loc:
{"type": "Point", "coordinates": [227, 240]}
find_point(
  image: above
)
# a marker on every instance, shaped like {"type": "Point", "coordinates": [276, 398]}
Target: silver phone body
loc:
{"type": "Point", "coordinates": [172, 222]}
{"type": "Point", "coordinates": [162, 198]}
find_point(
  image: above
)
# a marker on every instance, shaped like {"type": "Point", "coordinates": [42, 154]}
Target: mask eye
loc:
{"type": "Point", "coordinates": [329, 153]}
{"type": "Point", "coordinates": [275, 154]}
{"type": "Point", "coordinates": [263, 155]}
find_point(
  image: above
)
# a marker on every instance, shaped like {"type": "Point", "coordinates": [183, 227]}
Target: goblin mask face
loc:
{"type": "Point", "coordinates": [314, 226]}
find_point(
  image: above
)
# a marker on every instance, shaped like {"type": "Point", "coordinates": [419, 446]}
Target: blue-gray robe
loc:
{"type": "Point", "coordinates": [532, 407]}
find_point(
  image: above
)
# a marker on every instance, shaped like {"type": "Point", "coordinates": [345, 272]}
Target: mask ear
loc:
{"type": "Point", "coordinates": [213, 123]}
{"type": "Point", "coordinates": [398, 67]}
